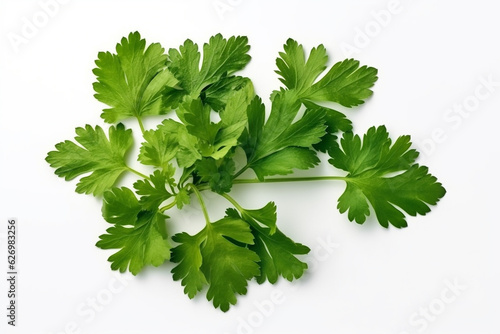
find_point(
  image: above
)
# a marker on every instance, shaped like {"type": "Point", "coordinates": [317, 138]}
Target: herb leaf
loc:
{"type": "Point", "coordinates": [216, 139]}
{"type": "Point", "coordinates": [219, 254]}
{"type": "Point", "coordinates": [159, 148]}
{"type": "Point", "coordinates": [187, 152]}
{"type": "Point", "coordinates": [131, 81]}
{"type": "Point", "coordinates": [281, 132]}
{"type": "Point", "coordinates": [154, 192]}
{"type": "Point", "coordinates": [103, 158]}
{"type": "Point", "coordinates": [345, 83]}
{"type": "Point", "coordinates": [221, 57]}
{"type": "Point", "coordinates": [277, 254]}
{"type": "Point", "coordinates": [370, 163]}
{"type": "Point", "coordinates": [276, 251]}
{"type": "Point", "coordinates": [217, 173]}
{"type": "Point", "coordinates": [296, 72]}
{"type": "Point", "coordinates": [141, 238]}
{"type": "Point", "coordinates": [285, 161]}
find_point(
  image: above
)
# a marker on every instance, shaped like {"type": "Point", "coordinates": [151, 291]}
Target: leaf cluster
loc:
{"type": "Point", "coordinates": [214, 131]}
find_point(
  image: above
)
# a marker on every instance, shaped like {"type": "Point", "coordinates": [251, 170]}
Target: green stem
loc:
{"type": "Point", "coordinates": [172, 189]}
{"type": "Point", "coordinates": [205, 186]}
{"type": "Point", "coordinates": [200, 199]}
{"type": "Point", "coordinates": [141, 125]}
{"type": "Point", "coordinates": [130, 169]}
{"type": "Point", "coordinates": [241, 171]}
{"type": "Point", "coordinates": [233, 202]}
{"type": "Point", "coordinates": [186, 173]}
{"type": "Point", "coordinates": [168, 206]}
{"type": "Point", "coordinates": [290, 179]}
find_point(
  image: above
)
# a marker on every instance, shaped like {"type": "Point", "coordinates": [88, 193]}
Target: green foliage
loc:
{"type": "Point", "coordinates": [218, 256]}
{"type": "Point", "coordinates": [140, 235]}
{"type": "Point", "coordinates": [103, 158]}
{"type": "Point", "coordinates": [131, 81]}
{"type": "Point", "coordinates": [370, 163]}
{"type": "Point", "coordinates": [214, 131]}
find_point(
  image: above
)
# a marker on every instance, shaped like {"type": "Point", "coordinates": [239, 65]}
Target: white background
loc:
{"type": "Point", "coordinates": [440, 275]}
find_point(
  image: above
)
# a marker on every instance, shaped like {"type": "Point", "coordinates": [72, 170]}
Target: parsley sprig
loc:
{"type": "Point", "coordinates": [213, 122]}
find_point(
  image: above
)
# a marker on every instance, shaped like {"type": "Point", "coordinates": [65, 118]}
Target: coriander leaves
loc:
{"type": "Point", "coordinates": [103, 158]}
{"type": "Point", "coordinates": [140, 235]}
{"type": "Point", "coordinates": [214, 131]}
{"type": "Point", "coordinates": [345, 83]}
{"type": "Point", "coordinates": [218, 256]}
{"type": "Point", "coordinates": [370, 162]}
{"type": "Point", "coordinates": [131, 81]}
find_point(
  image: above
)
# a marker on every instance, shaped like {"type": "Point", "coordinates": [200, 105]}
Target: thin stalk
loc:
{"type": "Point", "coordinates": [168, 206]}
{"type": "Point", "coordinates": [233, 202]}
{"type": "Point", "coordinates": [130, 169]}
{"type": "Point", "coordinates": [172, 189]}
{"type": "Point", "coordinates": [291, 179]}
{"type": "Point", "coordinates": [186, 173]}
{"type": "Point", "coordinates": [205, 186]}
{"type": "Point", "coordinates": [202, 203]}
{"type": "Point", "coordinates": [141, 125]}
{"type": "Point", "coordinates": [241, 171]}
{"type": "Point", "coordinates": [249, 220]}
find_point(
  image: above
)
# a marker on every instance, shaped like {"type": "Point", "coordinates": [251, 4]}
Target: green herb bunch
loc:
{"type": "Point", "coordinates": [213, 122]}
